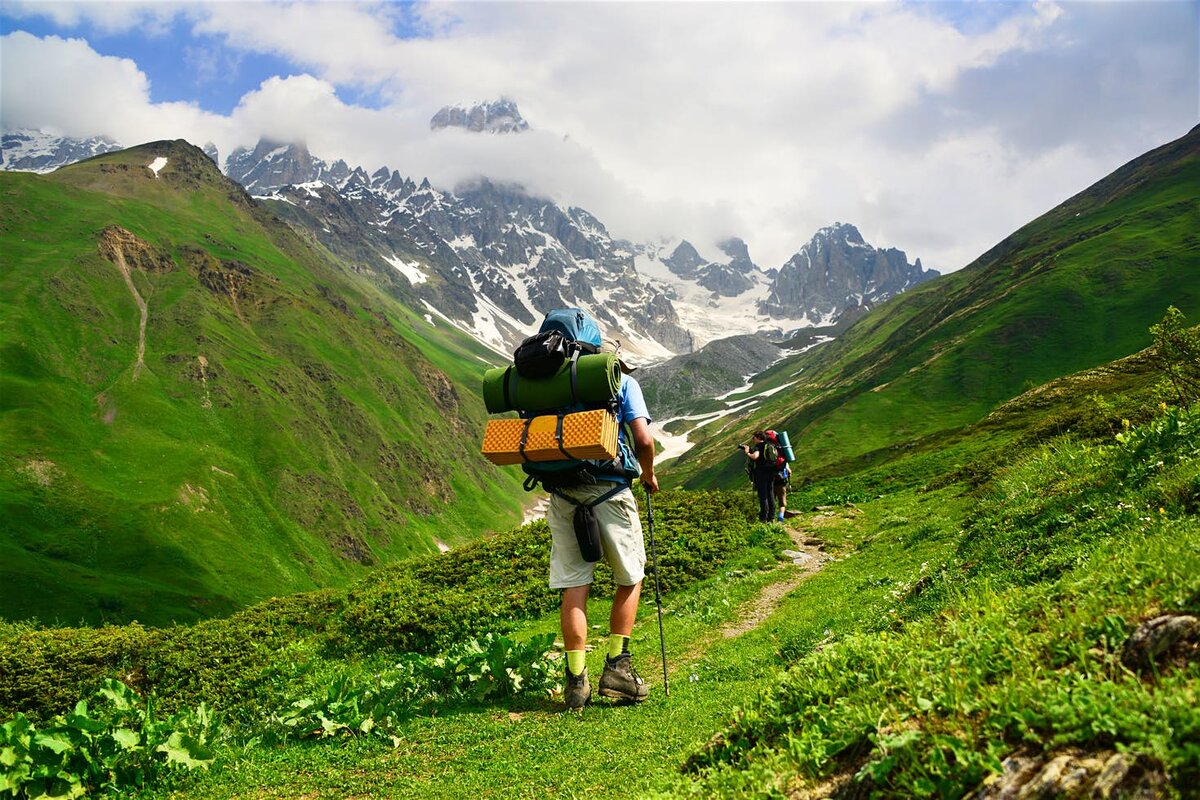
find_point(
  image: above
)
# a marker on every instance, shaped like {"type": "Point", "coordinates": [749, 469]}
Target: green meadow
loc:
{"type": "Point", "coordinates": [949, 628]}
{"type": "Point", "coordinates": [221, 575]}
{"type": "Point", "coordinates": [290, 428]}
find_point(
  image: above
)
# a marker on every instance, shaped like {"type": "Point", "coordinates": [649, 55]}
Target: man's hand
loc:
{"type": "Point", "coordinates": [650, 482]}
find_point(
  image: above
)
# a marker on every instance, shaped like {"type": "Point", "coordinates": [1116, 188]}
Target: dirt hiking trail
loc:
{"type": "Point", "coordinates": [808, 557]}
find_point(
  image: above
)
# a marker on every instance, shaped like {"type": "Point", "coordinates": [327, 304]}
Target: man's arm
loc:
{"type": "Point", "coordinates": [643, 448]}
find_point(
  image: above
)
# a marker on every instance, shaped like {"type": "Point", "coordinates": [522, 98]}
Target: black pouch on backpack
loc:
{"type": "Point", "coordinates": [541, 355]}
{"type": "Point", "coordinates": [587, 532]}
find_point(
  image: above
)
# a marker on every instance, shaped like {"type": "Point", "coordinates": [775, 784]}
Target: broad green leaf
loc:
{"type": "Point", "coordinates": [120, 695]}
{"type": "Point", "coordinates": [126, 738]}
{"type": "Point", "coordinates": [85, 723]}
{"type": "Point", "coordinates": [185, 751]}
{"type": "Point", "coordinates": [57, 742]}
{"type": "Point", "coordinates": [8, 757]}
{"type": "Point", "coordinates": [12, 779]}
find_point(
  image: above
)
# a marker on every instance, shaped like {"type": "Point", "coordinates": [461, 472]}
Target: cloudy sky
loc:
{"type": "Point", "coordinates": [937, 128]}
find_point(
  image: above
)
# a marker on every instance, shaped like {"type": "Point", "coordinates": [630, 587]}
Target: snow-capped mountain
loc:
{"type": "Point", "coordinates": [498, 116]}
{"type": "Point", "coordinates": [272, 164]}
{"type": "Point", "coordinates": [37, 151]}
{"type": "Point", "coordinates": [492, 259]}
{"type": "Point", "coordinates": [837, 271]}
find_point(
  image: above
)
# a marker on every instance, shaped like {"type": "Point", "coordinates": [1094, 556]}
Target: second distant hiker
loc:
{"type": "Point", "coordinates": [765, 456]}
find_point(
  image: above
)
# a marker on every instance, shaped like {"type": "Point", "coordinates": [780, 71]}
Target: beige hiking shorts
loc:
{"type": "Point", "coordinates": [621, 540]}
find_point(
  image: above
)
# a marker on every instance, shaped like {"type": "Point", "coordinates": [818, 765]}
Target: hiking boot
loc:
{"type": "Point", "coordinates": [577, 691]}
{"type": "Point", "coordinates": [621, 681]}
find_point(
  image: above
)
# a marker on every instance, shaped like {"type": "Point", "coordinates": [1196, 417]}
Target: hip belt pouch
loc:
{"type": "Point", "coordinates": [587, 533]}
{"type": "Point", "coordinates": [587, 524]}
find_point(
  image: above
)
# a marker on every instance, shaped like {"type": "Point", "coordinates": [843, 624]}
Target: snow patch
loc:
{"type": "Point", "coordinates": [411, 270]}
{"type": "Point", "coordinates": [157, 164]}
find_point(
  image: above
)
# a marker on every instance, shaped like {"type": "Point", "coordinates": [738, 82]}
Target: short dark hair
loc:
{"type": "Point", "coordinates": [760, 435]}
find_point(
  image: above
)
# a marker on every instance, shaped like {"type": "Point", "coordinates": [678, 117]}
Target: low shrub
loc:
{"type": "Point", "coordinates": [376, 703]}
{"type": "Point", "coordinates": [115, 743]}
{"type": "Point", "coordinates": [250, 660]}
{"type": "Point", "coordinates": [45, 671]}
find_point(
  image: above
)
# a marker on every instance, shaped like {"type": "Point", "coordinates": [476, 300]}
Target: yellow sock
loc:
{"type": "Point", "coordinates": [617, 644]}
{"type": "Point", "coordinates": [576, 661]}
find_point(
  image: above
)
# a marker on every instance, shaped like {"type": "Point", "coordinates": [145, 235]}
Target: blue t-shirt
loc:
{"type": "Point", "coordinates": [632, 404]}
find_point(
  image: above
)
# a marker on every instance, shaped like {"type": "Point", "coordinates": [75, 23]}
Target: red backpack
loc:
{"type": "Point", "coordinates": [773, 450]}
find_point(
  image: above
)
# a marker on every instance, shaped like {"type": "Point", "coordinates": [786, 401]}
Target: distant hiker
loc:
{"type": "Point", "coordinates": [782, 477]}
{"type": "Point", "coordinates": [765, 455]}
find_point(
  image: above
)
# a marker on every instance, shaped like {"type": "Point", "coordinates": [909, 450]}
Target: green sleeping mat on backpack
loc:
{"type": "Point", "coordinates": [597, 380]}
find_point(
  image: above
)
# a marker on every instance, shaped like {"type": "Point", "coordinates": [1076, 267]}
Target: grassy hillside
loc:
{"type": "Point", "coordinates": [997, 604]}
{"type": "Point", "coordinates": [1076, 288]}
{"type": "Point", "coordinates": [285, 427]}
{"type": "Point", "coordinates": [962, 628]}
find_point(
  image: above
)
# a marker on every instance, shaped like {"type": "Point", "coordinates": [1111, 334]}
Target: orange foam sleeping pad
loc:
{"type": "Point", "coordinates": [586, 434]}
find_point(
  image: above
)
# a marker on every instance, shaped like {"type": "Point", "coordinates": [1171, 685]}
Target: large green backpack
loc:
{"type": "Point", "coordinates": [578, 334]}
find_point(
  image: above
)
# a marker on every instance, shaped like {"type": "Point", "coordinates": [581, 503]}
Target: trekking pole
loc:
{"type": "Point", "coordinates": [657, 594]}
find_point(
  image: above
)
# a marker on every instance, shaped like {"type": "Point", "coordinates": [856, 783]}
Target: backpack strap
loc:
{"type": "Point", "coordinates": [574, 372]}
{"type": "Point", "coordinates": [525, 436]}
{"type": "Point", "coordinates": [558, 436]}
{"type": "Point", "coordinates": [613, 492]}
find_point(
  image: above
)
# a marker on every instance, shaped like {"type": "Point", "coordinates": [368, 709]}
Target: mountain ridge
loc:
{"type": "Point", "coordinates": [267, 431]}
{"type": "Point", "coordinates": [669, 311]}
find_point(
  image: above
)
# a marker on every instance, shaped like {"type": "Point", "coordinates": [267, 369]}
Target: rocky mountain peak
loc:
{"type": "Point", "coordinates": [497, 116]}
{"type": "Point", "coordinates": [840, 232]}
{"type": "Point", "coordinates": [501, 257]}
{"type": "Point", "coordinates": [739, 255]}
{"type": "Point", "coordinates": [838, 270]}
{"type": "Point", "coordinates": [38, 151]}
{"type": "Point", "coordinates": [684, 260]}
{"type": "Point", "coordinates": [273, 164]}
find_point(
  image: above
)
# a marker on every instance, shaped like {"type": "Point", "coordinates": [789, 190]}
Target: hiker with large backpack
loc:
{"type": "Point", "coordinates": [783, 476]}
{"type": "Point", "coordinates": [767, 459]}
{"type": "Point", "coordinates": [592, 513]}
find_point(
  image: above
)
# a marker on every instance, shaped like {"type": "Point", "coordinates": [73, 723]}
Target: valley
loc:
{"type": "Point", "coordinates": [241, 476]}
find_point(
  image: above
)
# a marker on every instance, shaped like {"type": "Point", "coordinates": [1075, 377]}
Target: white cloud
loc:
{"type": "Point", "coordinates": [63, 85]}
{"type": "Point", "coordinates": [151, 18]}
{"type": "Point", "coordinates": [933, 134]}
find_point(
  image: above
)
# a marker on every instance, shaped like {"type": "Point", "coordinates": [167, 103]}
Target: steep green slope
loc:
{"type": "Point", "coordinates": [1076, 288]}
{"type": "Point", "coordinates": [286, 427]}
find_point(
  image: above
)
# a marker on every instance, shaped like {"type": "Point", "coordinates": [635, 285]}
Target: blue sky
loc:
{"type": "Point", "coordinates": [937, 128]}
{"type": "Point", "coordinates": [183, 66]}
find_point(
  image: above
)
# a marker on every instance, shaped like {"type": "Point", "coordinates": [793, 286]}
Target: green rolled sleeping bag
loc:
{"type": "Point", "coordinates": [597, 379]}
